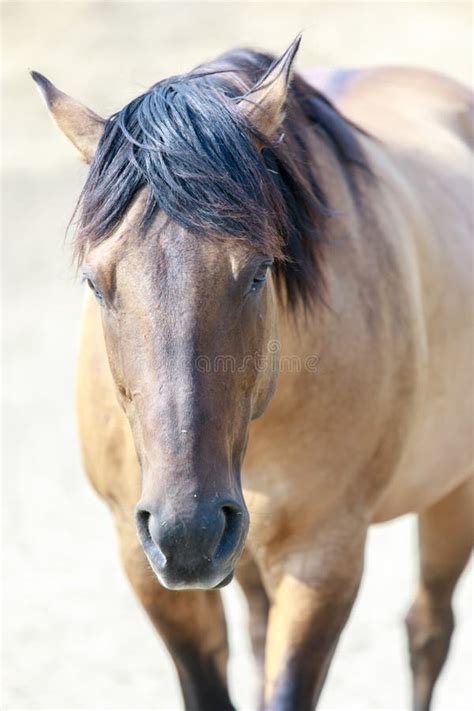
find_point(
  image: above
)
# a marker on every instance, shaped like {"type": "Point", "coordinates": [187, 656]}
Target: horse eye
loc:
{"type": "Point", "coordinates": [98, 295]}
{"type": "Point", "coordinates": [260, 276]}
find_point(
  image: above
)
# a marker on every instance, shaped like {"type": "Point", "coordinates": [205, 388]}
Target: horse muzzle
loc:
{"type": "Point", "coordinates": [194, 551]}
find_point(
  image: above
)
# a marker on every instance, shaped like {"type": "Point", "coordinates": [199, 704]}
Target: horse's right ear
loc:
{"type": "Point", "coordinates": [81, 125]}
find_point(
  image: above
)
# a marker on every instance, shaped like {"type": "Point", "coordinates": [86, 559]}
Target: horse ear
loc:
{"type": "Point", "coordinates": [81, 125]}
{"type": "Point", "coordinates": [264, 104]}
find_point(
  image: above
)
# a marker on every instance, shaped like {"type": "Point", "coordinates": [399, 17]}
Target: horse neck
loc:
{"type": "Point", "coordinates": [355, 246]}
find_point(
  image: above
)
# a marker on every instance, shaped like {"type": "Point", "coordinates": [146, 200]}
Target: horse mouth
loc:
{"type": "Point", "coordinates": [225, 582]}
{"type": "Point", "coordinates": [197, 582]}
{"type": "Point", "coordinates": [183, 578]}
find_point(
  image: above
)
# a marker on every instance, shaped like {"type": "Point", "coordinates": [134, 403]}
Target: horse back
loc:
{"type": "Point", "coordinates": [369, 96]}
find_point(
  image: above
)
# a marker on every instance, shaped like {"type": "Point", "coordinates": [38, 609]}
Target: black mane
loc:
{"type": "Point", "coordinates": [186, 142]}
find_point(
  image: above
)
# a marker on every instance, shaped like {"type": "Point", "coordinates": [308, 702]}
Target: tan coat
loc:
{"type": "Point", "coordinates": [372, 416]}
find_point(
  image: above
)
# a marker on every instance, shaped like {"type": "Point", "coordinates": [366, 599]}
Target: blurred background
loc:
{"type": "Point", "coordinates": [73, 635]}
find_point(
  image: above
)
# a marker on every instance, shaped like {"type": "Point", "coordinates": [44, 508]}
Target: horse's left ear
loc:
{"type": "Point", "coordinates": [81, 125]}
{"type": "Point", "coordinates": [264, 104]}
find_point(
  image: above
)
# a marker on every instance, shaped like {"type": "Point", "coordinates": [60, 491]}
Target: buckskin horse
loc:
{"type": "Point", "coordinates": [245, 215]}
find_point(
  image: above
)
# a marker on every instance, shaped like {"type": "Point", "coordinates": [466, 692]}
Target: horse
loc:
{"type": "Point", "coordinates": [276, 352]}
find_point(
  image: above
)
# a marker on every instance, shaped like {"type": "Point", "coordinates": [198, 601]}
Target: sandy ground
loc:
{"type": "Point", "coordinates": [74, 637]}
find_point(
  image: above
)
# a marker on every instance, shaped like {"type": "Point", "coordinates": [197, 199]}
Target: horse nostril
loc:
{"type": "Point", "coordinates": [143, 525]}
{"type": "Point", "coordinates": [231, 533]}
{"type": "Point", "coordinates": [148, 534]}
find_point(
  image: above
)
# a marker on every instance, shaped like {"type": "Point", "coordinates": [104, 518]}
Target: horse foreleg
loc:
{"type": "Point", "coordinates": [445, 541]}
{"type": "Point", "coordinates": [249, 578]}
{"type": "Point", "coordinates": [311, 602]}
{"type": "Point", "coordinates": [192, 625]}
